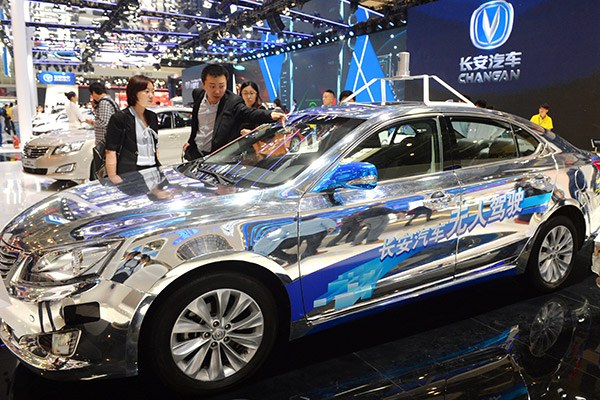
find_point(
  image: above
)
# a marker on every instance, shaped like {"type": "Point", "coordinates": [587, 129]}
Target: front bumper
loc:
{"type": "Point", "coordinates": [38, 354]}
{"type": "Point", "coordinates": [74, 166]}
{"type": "Point", "coordinates": [94, 347]}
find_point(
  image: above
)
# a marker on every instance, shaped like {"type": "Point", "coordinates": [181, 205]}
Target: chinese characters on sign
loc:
{"type": "Point", "coordinates": [500, 208]}
{"type": "Point", "coordinates": [490, 68]}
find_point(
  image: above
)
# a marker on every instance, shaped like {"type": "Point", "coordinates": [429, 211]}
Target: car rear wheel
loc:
{"type": "Point", "coordinates": [211, 333]}
{"type": "Point", "coordinates": [542, 347]}
{"type": "Point", "coordinates": [552, 254]}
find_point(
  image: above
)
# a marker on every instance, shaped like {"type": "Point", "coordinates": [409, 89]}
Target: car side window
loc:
{"type": "Point", "coordinates": [405, 149]}
{"type": "Point", "coordinates": [164, 121]}
{"type": "Point", "coordinates": [526, 143]}
{"type": "Point", "coordinates": [482, 140]}
{"type": "Point", "coordinates": [183, 119]}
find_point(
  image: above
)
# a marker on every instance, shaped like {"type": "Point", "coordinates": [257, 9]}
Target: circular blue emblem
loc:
{"type": "Point", "coordinates": [491, 24]}
{"type": "Point", "coordinates": [46, 77]}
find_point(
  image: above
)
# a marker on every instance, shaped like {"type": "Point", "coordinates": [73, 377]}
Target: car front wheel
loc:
{"type": "Point", "coordinates": [211, 333]}
{"type": "Point", "coordinates": [552, 254]}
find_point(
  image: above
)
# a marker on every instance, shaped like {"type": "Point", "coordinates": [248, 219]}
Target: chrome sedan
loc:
{"type": "Point", "coordinates": [192, 273]}
{"type": "Point", "coordinates": [65, 154]}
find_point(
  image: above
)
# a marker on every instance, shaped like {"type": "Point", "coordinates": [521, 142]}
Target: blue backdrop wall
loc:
{"type": "Point", "coordinates": [549, 54]}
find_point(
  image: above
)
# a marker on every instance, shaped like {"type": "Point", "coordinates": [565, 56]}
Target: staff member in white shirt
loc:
{"type": "Point", "coordinates": [73, 113]}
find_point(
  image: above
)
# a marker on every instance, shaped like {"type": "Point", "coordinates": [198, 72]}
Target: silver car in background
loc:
{"type": "Point", "coordinates": [64, 154]}
{"type": "Point", "coordinates": [193, 272]}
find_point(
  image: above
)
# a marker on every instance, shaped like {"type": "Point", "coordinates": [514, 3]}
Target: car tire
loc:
{"type": "Point", "coordinates": [203, 357]}
{"type": "Point", "coordinates": [553, 253]}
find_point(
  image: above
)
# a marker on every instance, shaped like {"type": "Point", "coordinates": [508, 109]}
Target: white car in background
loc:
{"type": "Point", "coordinates": [57, 122]}
{"type": "Point", "coordinates": [67, 154]}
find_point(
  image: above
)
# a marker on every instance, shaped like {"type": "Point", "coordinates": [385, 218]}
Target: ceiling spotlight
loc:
{"type": "Point", "coordinates": [206, 4]}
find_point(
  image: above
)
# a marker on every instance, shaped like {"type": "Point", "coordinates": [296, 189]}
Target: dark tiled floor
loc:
{"type": "Point", "coordinates": [498, 340]}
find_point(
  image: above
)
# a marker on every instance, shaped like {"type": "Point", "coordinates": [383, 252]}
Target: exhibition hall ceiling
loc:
{"type": "Point", "coordinates": [78, 35]}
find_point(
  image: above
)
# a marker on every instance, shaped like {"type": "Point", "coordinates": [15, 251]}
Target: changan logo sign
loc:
{"type": "Point", "coordinates": [491, 24]}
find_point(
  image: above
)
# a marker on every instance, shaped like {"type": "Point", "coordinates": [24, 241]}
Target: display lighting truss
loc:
{"type": "Point", "coordinates": [188, 32]}
{"type": "Point", "coordinates": [124, 10]}
{"type": "Point", "coordinates": [391, 20]}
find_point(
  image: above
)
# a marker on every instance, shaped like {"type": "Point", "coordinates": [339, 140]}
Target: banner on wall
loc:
{"type": "Point", "coordinates": [516, 55]}
{"type": "Point", "coordinates": [505, 43]}
{"type": "Point", "coordinates": [56, 78]}
{"type": "Point", "coordinates": [161, 98]}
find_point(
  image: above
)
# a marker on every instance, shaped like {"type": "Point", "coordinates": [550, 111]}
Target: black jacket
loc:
{"type": "Point", "coordinates": [121, 137]}
{"type": "Point", "coordinates": [231, 113]}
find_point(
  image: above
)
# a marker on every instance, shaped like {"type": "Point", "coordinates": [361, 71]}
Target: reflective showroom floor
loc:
{"type": "Point", "coordinates": [496, 340]}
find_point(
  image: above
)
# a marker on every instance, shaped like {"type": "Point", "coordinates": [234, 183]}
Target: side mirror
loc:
{"type": "Point", "coordinates": [596, 145]}
{"type": "Point", "coordinates": [354, 175]}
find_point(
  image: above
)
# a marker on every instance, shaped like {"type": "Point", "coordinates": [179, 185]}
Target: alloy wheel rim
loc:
{"type": "Point", "coordinates": [556, 254]}
{"type": "Point", "coordinates": [546, 328]}
{"type": "Point", "coordinates": [217, 334]}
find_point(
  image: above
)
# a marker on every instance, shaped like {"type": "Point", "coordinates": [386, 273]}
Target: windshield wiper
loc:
{"type": "Point", "coordinates": [221, 179]}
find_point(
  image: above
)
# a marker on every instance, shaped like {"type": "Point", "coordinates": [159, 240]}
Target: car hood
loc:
{"type": "Point", "coordinates": [63, 137]}
{"type": "Point", "coordinates": [146, 201]}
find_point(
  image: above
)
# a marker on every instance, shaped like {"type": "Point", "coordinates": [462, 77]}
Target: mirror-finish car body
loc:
{"type": "Point", "coordinates": [193, 272]}
{"type": "Point", "coordinates": [66, 154]}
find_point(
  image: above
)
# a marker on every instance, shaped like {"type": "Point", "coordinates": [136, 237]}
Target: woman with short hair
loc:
{"type": "Point", "coordinates": [131, 135]}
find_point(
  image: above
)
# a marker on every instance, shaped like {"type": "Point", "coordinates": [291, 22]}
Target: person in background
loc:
{"type": "Point", "coordinates": [251, 96]}
{"type": "Point", "coordinates": [279, 106]}
{"type": "Point", "coordinates": [2, 121]}
{"type": "Point", "coordinates": [73, 112]}
{"type": "Point", "coordinates": [344, 94]}
{"type": "Point", "coordinates": [7, 122]}
{"type": "Point", "coordinates": [131, 135]}
{"type": "Point", "coordinates": [328, 98]}
{"type": "Point", "coordinates": [294, 106]}
{"type": "Point", "coordinates": [481, 103]}
{"type": "Point", "coordinates": [542, 118]}
{"type": "Point", "coordinates": [14, 116]}
{"type": "Point", "coordinates": [104, 108]}
{"type": "Point", "coordinates": [218, 113]}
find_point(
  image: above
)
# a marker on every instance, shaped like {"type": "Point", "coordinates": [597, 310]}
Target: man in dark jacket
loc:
{"type": "Point", "coordinates": [218, 113]}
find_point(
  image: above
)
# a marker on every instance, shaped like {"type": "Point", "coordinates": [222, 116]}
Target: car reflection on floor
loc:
{"type": "Point", "coordinates": [507, 343]}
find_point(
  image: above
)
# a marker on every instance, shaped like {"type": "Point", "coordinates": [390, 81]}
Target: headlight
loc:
{"type": "Point", "coordinates": [69, 147]}
{"type": "Point", "coordinates": [63, 265]}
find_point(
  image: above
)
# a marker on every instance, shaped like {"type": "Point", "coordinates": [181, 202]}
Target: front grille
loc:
{"type": "Point", "coordinates": [37, 171]}
{"type": "Point", "coordinates": [34, 151]}
{"type": "Point", "coordinates": [8, 258]}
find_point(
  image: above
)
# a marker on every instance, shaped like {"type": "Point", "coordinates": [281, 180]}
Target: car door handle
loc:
{"type": "Point", "coordinates": [440, 196]}
{"type": "Point", "coordinates": [538, 181]}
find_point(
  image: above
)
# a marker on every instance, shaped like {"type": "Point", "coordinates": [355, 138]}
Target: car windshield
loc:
{"type": "Point", "coordinates": [272, 154]}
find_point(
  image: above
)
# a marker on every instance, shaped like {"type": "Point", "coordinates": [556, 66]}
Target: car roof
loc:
{"type": "Point", "coordinates": [372, 110]}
